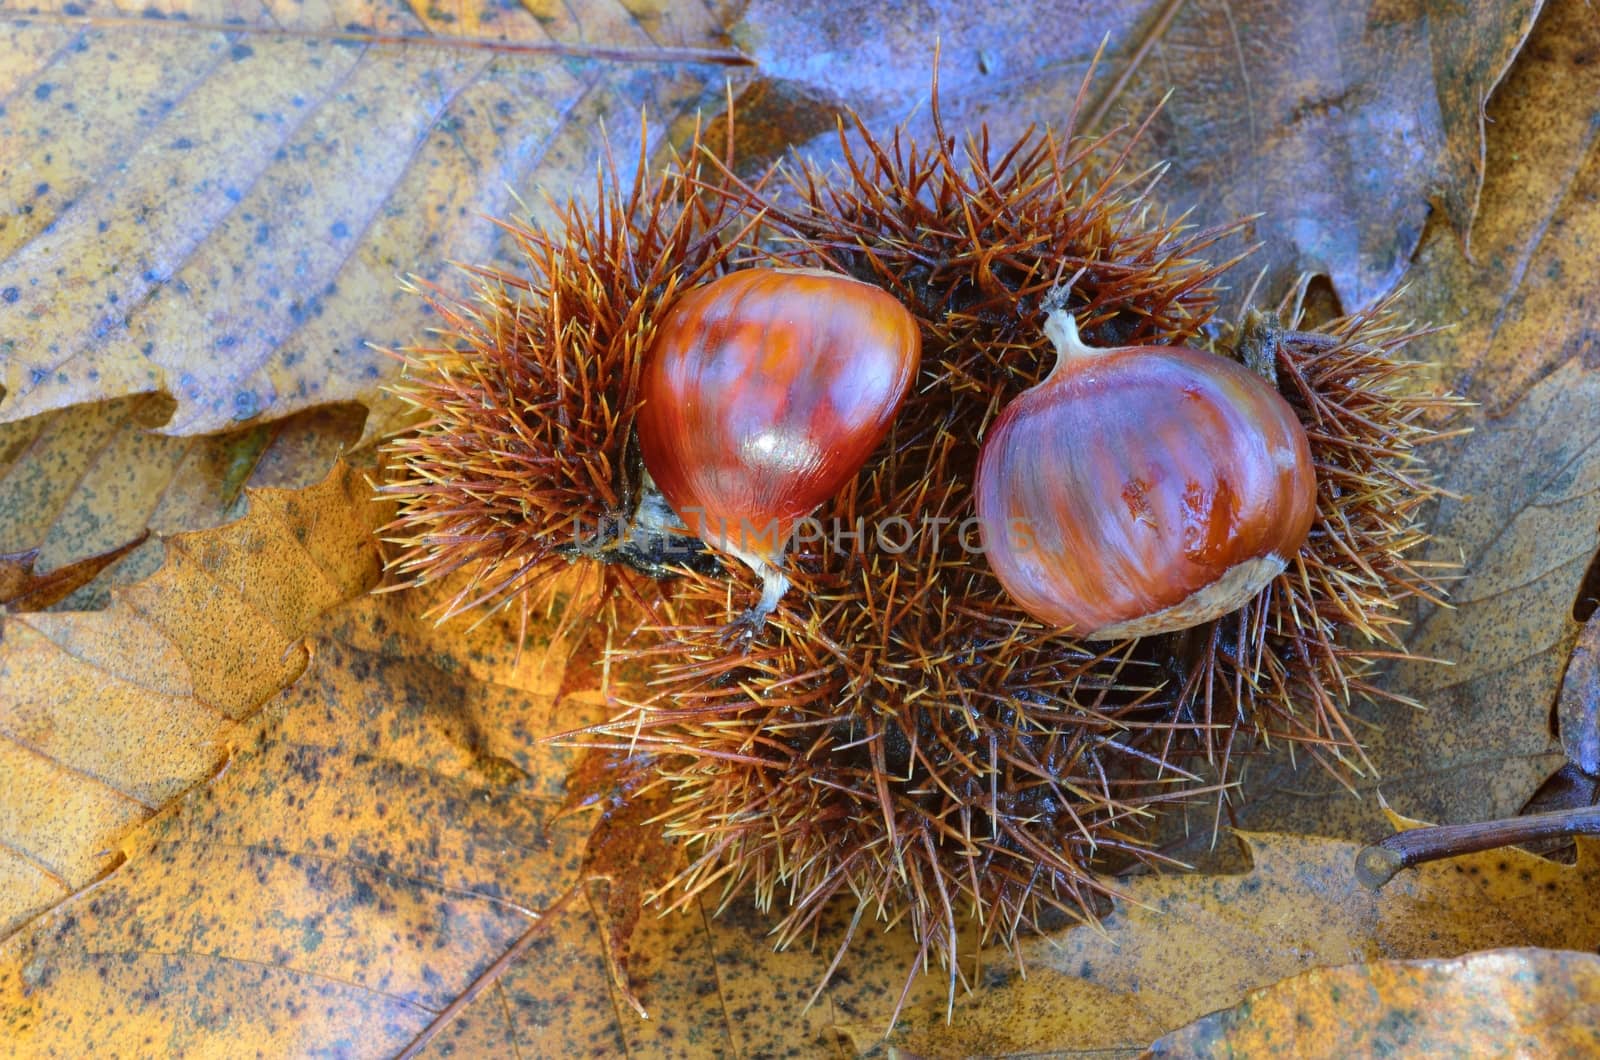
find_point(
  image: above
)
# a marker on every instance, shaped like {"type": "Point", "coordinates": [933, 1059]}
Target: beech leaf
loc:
{"type": "Point", "coordinates": [107, 717]}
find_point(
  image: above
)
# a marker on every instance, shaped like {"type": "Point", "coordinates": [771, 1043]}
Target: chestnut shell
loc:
{"type": "Point", "coordinates": [1143, 489]}
{"type": "Point", "coordinates": [764, 393]}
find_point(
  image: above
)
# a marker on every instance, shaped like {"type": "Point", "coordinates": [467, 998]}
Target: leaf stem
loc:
{"type": "Point", "coordinates": [1157, 30]}
{"type": "Point", "coordinates": [491, 975]}
{"type": "Point", "coordinates": [1376, 865]}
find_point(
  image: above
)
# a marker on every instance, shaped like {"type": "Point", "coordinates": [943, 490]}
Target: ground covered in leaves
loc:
{"type": "Point", "coordinates": [242, 799]}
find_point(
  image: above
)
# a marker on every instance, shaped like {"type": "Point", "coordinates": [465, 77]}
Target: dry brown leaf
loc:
{"type": "Point", "coordinates": [1338, 122]}
{"type": "Point", "coordinates": [620, 29]}
{"type": "Point", "coordinates": [107, 717]}
{"type": "Point", "coordinates": [1578, 709]}
{"type": "Point", "coordinates": [711, 983]}
{"type": "Point", "coordinates": [1516, 1002]}
{"type": "Point", "coordinates": [22, 588]}
{"type": "Point", "coordinates": [1180, 947]}
{"type": "Point", "coordinates": [217, 200]}
{"type": "Point", "coordinates": [1525, 303]}
{"type": "Point", "coordinates": [1482, 743]}
{"type": "Point", "coordinates": [350, 874]}
{"type": "Point", "coordinates": [82, 482]}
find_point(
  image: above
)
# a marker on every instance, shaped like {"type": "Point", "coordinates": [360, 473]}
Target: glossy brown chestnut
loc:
{"type": "Point", "coordinates": [1143, 489]}
{"type": "Point", "coordinates": [764, 392]}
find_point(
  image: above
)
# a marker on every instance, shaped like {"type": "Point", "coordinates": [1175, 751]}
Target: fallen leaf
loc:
{"type": "Point", "coordinates": [216, 202]}
{"type": "Point", "coordinates": [1180, 947]}
{"type": "Point", "coordinates": [109, 716]}
{"type": "Point", "coordinates": [1337, 123]}
{"type": "Point", "coordinates": [351, 874]}
{"type": "Point", "coordinates": [82, 482]}
{"type": "Point", "coordinates": [1569, 788]}
{"type": "Point", "coordinates": [24, 589]}
{"type": "Point", "coordinates": [1578, 709]}
{"type": "Point", "coordinates": [712, 984]}
{"type": "Point", "coordinates": [1515, 1002]}
{"type": "Point", "coordinates": [1525, 302]}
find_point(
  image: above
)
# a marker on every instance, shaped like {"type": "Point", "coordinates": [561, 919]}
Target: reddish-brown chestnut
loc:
{"type": "Point", "coordinates": [1143, 489]}
{"type": "Point", "coordinates": [763, 393]}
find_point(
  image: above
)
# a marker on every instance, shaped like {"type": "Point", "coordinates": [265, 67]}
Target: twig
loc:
{"type": "Point", "coordinates": [1377, 865]}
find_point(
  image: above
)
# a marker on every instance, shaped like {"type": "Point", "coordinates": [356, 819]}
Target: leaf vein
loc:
{"type": "Point", "coordinates": [200, 239]}
{"type": "Point", "coordinates": [75, 770]}
{"type": "Point", "coordinates": [229, 958]}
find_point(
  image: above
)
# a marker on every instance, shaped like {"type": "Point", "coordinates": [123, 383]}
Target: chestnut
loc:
{"type": "Point", "coordinates": [764, 391]}
{"type": "Point", "coordinates": [1141, 490]}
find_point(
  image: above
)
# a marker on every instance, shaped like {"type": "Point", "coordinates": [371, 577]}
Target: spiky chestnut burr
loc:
{"type": "Point", "coordinates": [523, 458]}
{"type": "Point", "coordinates": [895, 739]}
{"type": "Point", "coordinates": [902, 736]}
{"type": "Point", "coordinates": [988, 759]}
{"type": "Point", "coordinates": [975, 240]}
{"type": "Point", "coordinates": [1287, 665]}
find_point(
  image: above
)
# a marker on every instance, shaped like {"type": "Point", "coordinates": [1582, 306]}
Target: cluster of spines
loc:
{"type": "Point", "coordinates": [521, 460]}
{"type": "Point", "coordinates": [1293, 660]}
{"type": "Point", "coordinates": [893, 740]}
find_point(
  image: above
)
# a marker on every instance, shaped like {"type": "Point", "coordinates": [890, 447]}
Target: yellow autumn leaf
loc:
{"type": "Point", "coordinates": [107, 717]}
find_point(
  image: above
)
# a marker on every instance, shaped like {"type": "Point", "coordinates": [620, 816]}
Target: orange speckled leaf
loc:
{"type": "Point", "coordinates": [106, 717]}
{"type": "Point", "coordinates": [1514, 1002]}
{"type": "Point", "coordinates": [217, 200]}
{"type": "Point", "coordinates": [391, 833]}
{"type": "Point", "coordinates": [351, 873]}
{"type": "Point", "coordinates": [82, 482]}
{"type": "Point", "coordinates": [708, 982]}
{"type": "Point", "coordinates": [1180, 947]}
{"type": "Point", "coordinates": [24, 589]}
